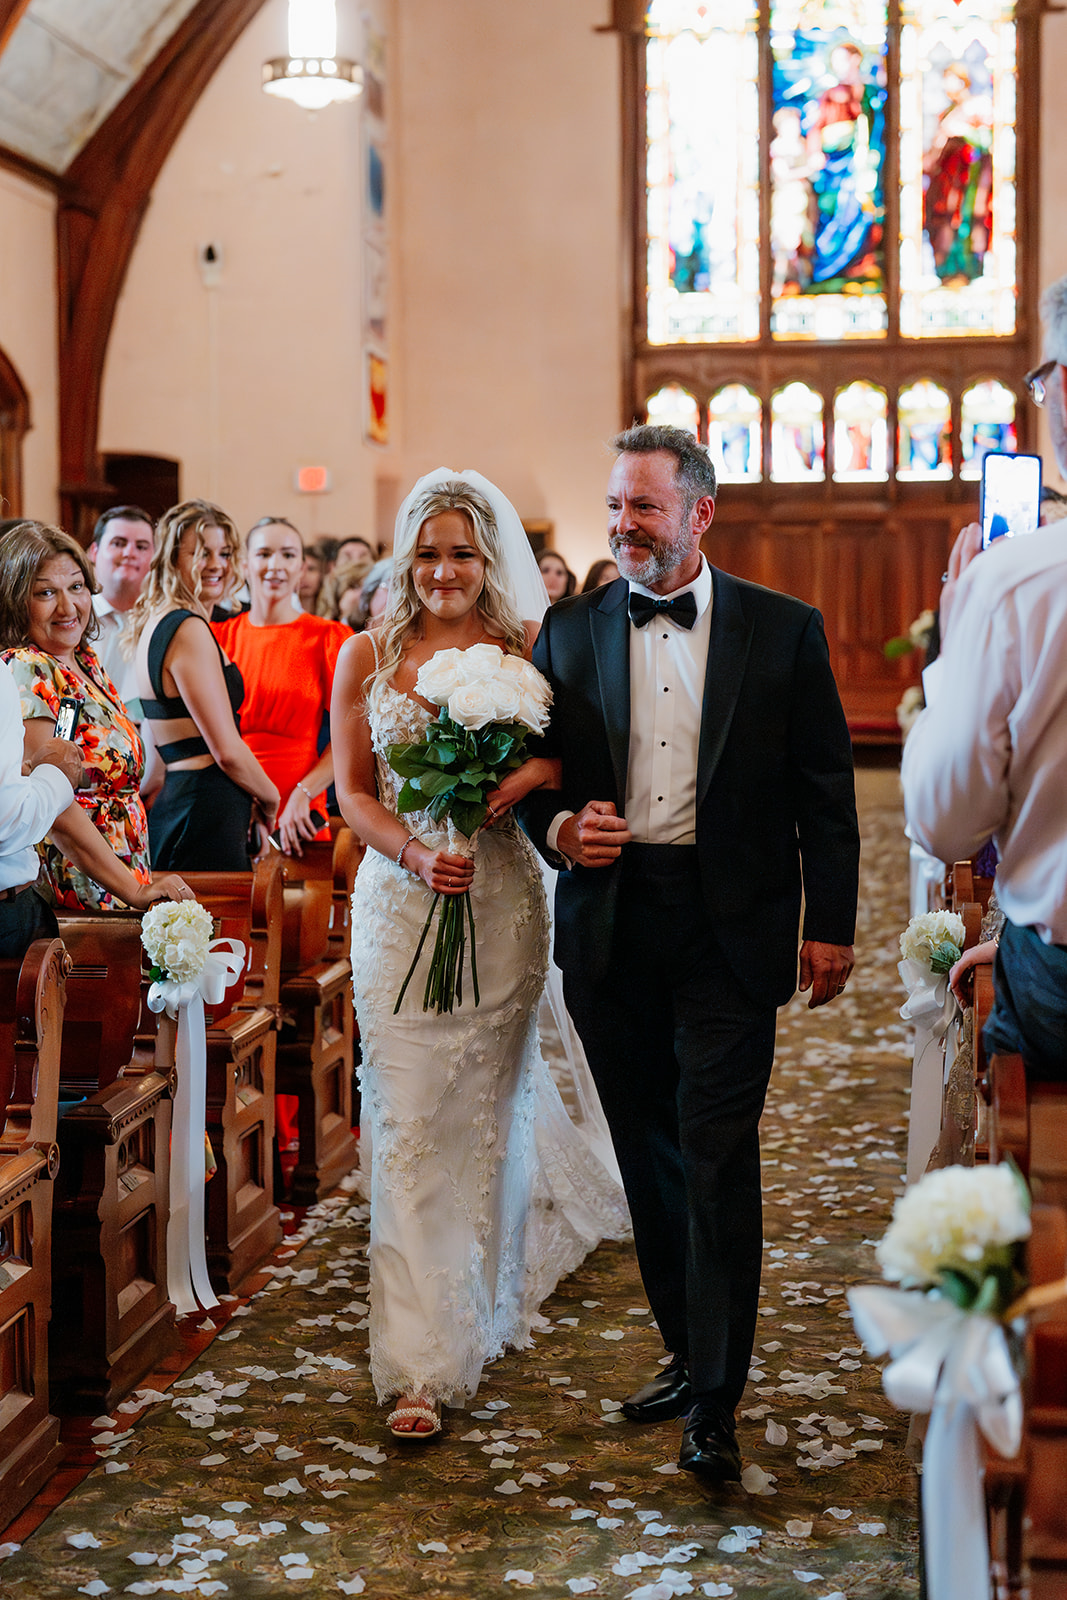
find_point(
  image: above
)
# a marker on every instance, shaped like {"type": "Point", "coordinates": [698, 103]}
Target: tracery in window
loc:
{"type": "Point", "coordinates": [735, 434]}
{"type": "Point", "coordinates": [987, 422]}
{"type": "Point", "coordinates": [797, 442]}
{"type": "Point", "coordinates": [861, 434]}
{"type": "Point", "coordinates": [674, 406]}
{"type": "Point", "coordinates": [924, 431]}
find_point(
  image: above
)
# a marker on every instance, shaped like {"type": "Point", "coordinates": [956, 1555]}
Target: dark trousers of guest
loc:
{"type": "Point", "coordinates": [682, 1058]}
{"type": "Point", "coordinates": [1030, 1011]}
{"type": "Point", "coordinates": [23, 919]}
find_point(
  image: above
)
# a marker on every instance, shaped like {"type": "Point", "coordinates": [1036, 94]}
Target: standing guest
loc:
{"type": "Point", "coordinates": [340, 594]}
{"type": "Point", "coordinates": [214, 789]}
{"type": "Point", "coordinates": [706, 781]}
{"type": "Point", "coordinates": [287, 661]}
{"type": "Point", "coordinates": [96, 856]}
{"type": "Point", "coordinates": [373, 597]}
{"type": "Point", "coordinates": [601, 572]}
{"type": "Point", "coordinates": [988, 756]}
{"type": "Point", "coordinates": [30, 802]}
{"type": "Point", "coordinates": [355, 548]}
{"type": "Point", "coordinates": [316, 565]}
{"type": "Point", "coordinates": [560, 581]}
{"type": "Point", "coordinates": [121, 553]}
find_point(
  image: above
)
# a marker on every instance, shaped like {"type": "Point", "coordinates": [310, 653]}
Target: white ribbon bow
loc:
{"type": "Point", "coordinates": [956, 1365]}
{"type": "Point", "coordinates": [931, 1005]}
{"type": "Point", "coordinates": [188, 1284]}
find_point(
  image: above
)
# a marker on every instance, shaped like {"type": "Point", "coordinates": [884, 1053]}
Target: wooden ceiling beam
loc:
{"type": "Point", "coordinates": [11, 14]}
{"type": "Point", "coordinates": [103, 197]}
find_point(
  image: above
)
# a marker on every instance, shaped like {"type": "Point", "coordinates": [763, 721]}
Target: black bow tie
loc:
{"type": "Point", "coordinates": [682, 612]}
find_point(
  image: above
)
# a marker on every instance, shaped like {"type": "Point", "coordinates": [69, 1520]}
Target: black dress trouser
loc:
{"type": "Point", "coordinates": [682, 1057]}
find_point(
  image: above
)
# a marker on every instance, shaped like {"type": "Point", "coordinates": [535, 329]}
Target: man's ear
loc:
{"type": "Point", "coordinates": [703, 512]}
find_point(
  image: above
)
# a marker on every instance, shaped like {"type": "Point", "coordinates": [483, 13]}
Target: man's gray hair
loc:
{"type": "Point", "coordinates": [696, 475]}
{"type": "Point", "coordinates": [1054, 313]}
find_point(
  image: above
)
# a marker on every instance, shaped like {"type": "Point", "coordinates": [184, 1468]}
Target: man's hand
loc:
{"type": "Point", "coordinates": [824, 969]}
{"type": "Point", "coordinates": [594, 836]}
{"type": "Point", "coordinates": [61, 753]}
{"type": "Point", "coordinates": [968, 545]}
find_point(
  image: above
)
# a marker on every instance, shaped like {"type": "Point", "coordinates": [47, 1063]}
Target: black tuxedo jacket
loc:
{"type": "Point", "coordinates": [775, 794]}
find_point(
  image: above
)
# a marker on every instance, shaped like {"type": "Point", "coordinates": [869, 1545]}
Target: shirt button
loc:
{"type": "Point", "coordinates": [659, 797]}
{"type": "Point", "coordinates": [665, 689]}
{"type": "Point", "coordinates": [663, 744]}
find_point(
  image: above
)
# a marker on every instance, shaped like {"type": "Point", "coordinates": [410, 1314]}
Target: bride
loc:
{"type": "Point", "coordinates": [483, 1193]}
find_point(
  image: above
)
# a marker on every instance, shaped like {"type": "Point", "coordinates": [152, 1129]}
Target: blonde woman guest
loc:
{"type": "Point", "coordinates": [214, 789]}
{"type": "Point", "coordinates": [96, 856]}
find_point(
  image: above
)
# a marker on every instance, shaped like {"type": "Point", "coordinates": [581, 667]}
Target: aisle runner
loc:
{"type": "Point", "coordinates": [265, 1471]}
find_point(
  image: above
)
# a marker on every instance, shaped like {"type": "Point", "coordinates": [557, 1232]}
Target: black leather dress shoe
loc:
{"type": "Point", "coordinates": [709, 1444]}
{"type": "Point", "coordinates": [668, 1394]}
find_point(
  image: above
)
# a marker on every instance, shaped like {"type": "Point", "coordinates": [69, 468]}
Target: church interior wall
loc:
{"type": "Point", "coordinates": [28, 331]}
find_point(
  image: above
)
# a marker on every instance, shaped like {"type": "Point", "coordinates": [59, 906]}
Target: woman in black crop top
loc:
{"type": "Point", "coordinates": [214, 789]}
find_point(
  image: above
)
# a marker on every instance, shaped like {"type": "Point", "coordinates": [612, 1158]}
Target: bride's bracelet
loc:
{"type": "Point", "coordinates": [411, 838]}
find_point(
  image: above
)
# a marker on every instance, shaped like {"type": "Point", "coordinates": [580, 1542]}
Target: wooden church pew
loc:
{"type": "Point", "coordinates": [31, 1019]}
{"type": "Point", "coordinates": [112, 1318]}
{"type": "Point", "coordinates": [315, 1050]}
{"type": "Point", "coordinates": [243, 1223]}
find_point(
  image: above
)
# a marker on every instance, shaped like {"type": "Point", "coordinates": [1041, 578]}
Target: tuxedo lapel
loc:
{"type": "Point", "coordinates": [610, 629]}
{"type": "Point", "coordinates": [731, 634]}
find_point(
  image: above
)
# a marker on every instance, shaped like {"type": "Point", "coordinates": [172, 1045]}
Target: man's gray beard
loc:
{"type": "Point", "coordinates": [658, 564]}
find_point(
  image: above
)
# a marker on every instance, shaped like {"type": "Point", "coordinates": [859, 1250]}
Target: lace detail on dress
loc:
{"type": "Point", "coordinates": [480, 1200]}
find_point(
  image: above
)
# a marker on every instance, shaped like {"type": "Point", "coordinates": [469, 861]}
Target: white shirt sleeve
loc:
{"type": "Point", "coordinates": [28, 805]}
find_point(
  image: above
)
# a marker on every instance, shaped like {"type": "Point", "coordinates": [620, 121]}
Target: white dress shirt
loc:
{"type": "Point", "coordinates": [114, 627]}
{"type": "Point", "coordinates": [667, 669]}
{"type": "Point", "coordinates": [28, 805]}
{"type": "Point", "coordinates": [988, 756]}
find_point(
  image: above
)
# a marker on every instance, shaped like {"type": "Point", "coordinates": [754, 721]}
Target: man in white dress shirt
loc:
{"type": "Point", "coordinates": [29, 804]}
{"type": "Point", "coordinates": [988, 756]}
{"type": "Point", "coordinates": [706, 779]}
{"type": "Point", "coordinates": [121, 552]}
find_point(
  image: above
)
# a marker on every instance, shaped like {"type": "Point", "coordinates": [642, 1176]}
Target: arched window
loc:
{"type": "Point", "coordinates": [14, 424]}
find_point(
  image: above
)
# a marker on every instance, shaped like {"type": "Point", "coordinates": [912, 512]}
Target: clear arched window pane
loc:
{"type": "Point", "coordinates": [987, 422]}
{"type": "Point", "coordinates": [797, 440]}
{"type": "Point", "coordinates": [702, 171]}
{"type": "Point", "coordinates": [675, 407]}
{"type": "Point", "coordinates": [924, 426]}
{"type": "Point", "coordinates": [735, 434]}
{"type": "Point", "coordinates": [957, 168]}
{"type": "Point", "coordinates": [861, 434]}
{"type": "Point", "coordinates": [827, 169]}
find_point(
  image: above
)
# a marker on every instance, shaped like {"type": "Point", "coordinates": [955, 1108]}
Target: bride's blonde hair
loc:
{"type": "Point", "coordinates": [403, 613]}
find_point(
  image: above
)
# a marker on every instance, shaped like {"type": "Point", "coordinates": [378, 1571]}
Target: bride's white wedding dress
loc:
{"type": "Point", "coordinates": [483, 1192]}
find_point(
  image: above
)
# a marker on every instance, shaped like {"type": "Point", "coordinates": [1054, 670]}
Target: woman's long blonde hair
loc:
{"type": "Point", "coordinates": [403, 614]}
{"type": "Point", "coordinates": [164, 587]}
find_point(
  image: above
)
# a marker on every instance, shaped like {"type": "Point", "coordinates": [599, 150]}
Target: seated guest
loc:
{"type": "Point", "coordinates": [560, 581]}
{"type": "Point", "coordinates": [601, 572]}
{"type": "Point", "coordinates": [287, 661]}
{"type": "Point", "coordinates": [989, 753]}
{"type": "Point", "coordinates": [96, 856]}
{"type": "Point", "coordinates": [214, 789]}
{"type": "Point", "coordinates": [121, 553]}
{"type": "Point", "coordinates": [29, 804]}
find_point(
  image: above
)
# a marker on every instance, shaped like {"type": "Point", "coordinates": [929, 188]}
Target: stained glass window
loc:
{"type": "Point", "coordinates": [674, 406]}
{"type": "Point", "coordinates": [797, 443]}
{"type": "Point", "coordinates": [703, 171]}
{"type": "Point", "coordinates": [924, 431]}
{"type": "Point", "coordinates": [987, 422]}
{"type": "Point", "coordinates": [735, 434]}
{"type": "Point", "coordinates": [827, 158]}
{"type": "Point", "coordinates": [861, 434]}
{"type": "Point", "coordinates": [957, 167]}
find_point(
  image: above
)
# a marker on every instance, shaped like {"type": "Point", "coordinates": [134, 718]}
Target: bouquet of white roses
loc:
{"type": "Point", "coordinates": [489, 703]}
{"type": "Point", "coordinates": [176, 934]}
{"type": "Point", "coordinates": [934, 940]}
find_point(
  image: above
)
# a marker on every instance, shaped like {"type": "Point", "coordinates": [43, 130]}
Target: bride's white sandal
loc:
{"type": "Point", "coordinates": [417, 1411]}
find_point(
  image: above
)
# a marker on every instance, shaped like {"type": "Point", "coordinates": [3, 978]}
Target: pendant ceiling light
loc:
{"type": "Point", "coordinates": [312, 73]}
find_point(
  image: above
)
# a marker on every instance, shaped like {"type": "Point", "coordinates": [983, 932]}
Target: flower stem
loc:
{"type": "Point", "coordinates": [418, 953]}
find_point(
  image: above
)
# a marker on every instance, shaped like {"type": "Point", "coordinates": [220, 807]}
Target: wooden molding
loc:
{"type": "Point", "coordinates": [14, 423]}
{"type": "Point", "coordinates": [103, 197]}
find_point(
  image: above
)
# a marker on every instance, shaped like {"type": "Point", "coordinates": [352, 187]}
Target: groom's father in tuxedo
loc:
{"type": "Point", "coordinates": [706, 780]}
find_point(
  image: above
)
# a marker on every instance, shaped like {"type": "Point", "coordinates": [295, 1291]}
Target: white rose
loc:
{"type": "Point", "coordinates": [176, 937]}
{"type": "Point", "coordinates": [925, 933]}
{"type": "Point", "coordinates": [506, 698]}
{"type": "Point", "coordinates": [482, 662]}
{"type": "Point", "coordinates": [952, 1218]}
{"type": "Point", "coordinates": [440, 676]}
{"type": "Point", "coordinates": [532, 712]}
{"type": "Point", "coordinates": [471, 705]}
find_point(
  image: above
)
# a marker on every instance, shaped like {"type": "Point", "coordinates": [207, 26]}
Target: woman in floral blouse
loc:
{"type": "Point", "coordinates": [96, 856]}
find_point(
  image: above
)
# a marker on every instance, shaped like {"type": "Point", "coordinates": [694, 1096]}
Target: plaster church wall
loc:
{"type": "Point", "coordinates": [28, 332]}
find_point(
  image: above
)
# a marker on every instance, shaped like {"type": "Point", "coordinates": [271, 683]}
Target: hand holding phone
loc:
{"type": "Point", "coordinates": [316, 820]}
{"type": "Point", "coordinates": [1011, 495]}
{"type": "Point", "coordinates": [67, 717]}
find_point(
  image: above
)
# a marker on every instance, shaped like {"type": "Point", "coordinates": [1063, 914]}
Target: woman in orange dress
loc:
{"type": "Point", "coordinates": [287, 659]}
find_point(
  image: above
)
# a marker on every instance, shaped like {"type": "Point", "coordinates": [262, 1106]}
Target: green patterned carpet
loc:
{"type": "Point", "coordinates": [266, 1468]}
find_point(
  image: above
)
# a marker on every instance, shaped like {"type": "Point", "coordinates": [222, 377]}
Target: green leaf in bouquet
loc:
{"type": "Point", "coordinates": [440, 806]}
{"type": "Point", "coordinates": [470, 792]}
{"type": "Point", "coordinates": [434, 783]}
{"type": "Point", "coordinates": [409, 799]}
{"type": "Point", "coordinates": [441, 754]}
{"type": "Point", "coordinates": [958, 1287]}
{"type": "Point", "coordinates": [407, 760]}
{"type": "Point", "coordinates": [944, 957]}
{"type": "Point", "coordinates": [902, 645]}
{"type": "Point", "coordinates": [468, 817]}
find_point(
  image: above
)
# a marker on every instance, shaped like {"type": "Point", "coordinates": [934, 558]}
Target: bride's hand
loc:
{"type": "Point", "coordinates": [539, 772]}
{"type": "Point", "coordinates": [442, 872]}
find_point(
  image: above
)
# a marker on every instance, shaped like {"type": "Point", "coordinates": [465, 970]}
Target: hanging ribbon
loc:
{"type": "Point", "coordinates": [188, 1284]}
{"type": "Point", "coordinates": [930, 1007]}
{"type": "Point", "coordinates": [957, 1366]}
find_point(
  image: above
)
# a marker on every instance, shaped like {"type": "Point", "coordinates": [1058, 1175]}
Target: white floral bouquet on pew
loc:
{"type": "Point", "coordinates": [490, 703]}
{"type": "Point", "coordinates": [934, 940]}
{"type": "Point", "coordinates": [176, 934]}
